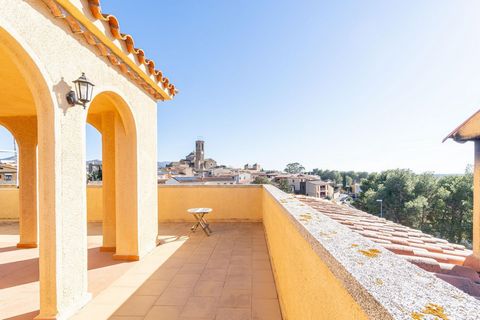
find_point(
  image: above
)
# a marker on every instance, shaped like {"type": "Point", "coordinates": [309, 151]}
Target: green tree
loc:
{"type": "Point", "coordinates": [261, 180]}
{"type": "Point", "coordinates": [284, 186]}
{"type": "Point", "coordinates": [439, 206]}
{"type": "Point", "coordinates": [294, 168]}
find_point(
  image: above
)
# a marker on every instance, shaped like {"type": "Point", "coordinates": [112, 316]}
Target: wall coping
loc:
{"type": "Point", "coordinates": [188, 185]}
{"type": "Point", "coordinates": [383, 284]}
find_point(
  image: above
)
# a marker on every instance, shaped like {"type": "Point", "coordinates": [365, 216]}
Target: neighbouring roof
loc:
{"type": "Point", "coordinates": [432, 254]}
{"type": "Point", "coordinates": [319, 182]}
{"type": "Point", "coordinates": [468, 130]}
{"type": "Point", "coordinates": [153, 75]}
{"type": "Point", "coordinates": [5, 168]}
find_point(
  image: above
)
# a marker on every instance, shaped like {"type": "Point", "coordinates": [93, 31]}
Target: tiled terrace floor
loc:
{"type": "Point", "coordinates": [190, 276]}
{"type": "Point", "coordinates": [224, 276]}
{"type": "Point", "coordinates": [19, 284]}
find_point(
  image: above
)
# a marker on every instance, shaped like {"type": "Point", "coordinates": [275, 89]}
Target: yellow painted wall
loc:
{"type": "Point", "coordinates": [9, 203]}
{"type": "Point", "coordinates": [229, 203]}
{"type": "Point", "coordinates": [94, 203]}
{"type": "Point", "coordinates": [306, 288]}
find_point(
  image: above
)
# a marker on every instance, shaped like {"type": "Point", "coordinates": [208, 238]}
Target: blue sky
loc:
{"type": "Point", "coordinates": [362, 85]}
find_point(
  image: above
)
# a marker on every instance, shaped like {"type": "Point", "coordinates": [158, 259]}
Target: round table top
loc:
{"type": "Point", "coordinates": [199, 210]}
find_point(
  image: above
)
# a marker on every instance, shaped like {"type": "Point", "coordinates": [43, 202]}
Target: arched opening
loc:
{"type": "Point", "coordinates": [111, 199]}
{"type": "Point", "coordinates": [8, 164]}
{"type": "Point", "coordinates": [25, 98]}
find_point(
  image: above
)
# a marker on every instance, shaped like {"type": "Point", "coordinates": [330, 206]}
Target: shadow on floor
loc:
{"type": "Point", "coordinates": [25, 316]}
{"type": "Point", "coordinates": [17, 273]}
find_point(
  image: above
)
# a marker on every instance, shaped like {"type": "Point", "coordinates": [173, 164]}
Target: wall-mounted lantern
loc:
{"type": "Point", "coordinates": [83, 94]}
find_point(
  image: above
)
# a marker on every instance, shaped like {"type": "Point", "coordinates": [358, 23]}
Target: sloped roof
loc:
{"type": "Point", "coordinates": [464, 131]}
{"type": "Point", "coordinates": [432, 254]}
{"type": "Point", "coordinates": [125, 67]}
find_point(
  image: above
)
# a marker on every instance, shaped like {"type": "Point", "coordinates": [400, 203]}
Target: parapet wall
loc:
{"type": "Point", "coordinates": [322, 269]}
{"type": "Point", "coordinates": [229, 202]}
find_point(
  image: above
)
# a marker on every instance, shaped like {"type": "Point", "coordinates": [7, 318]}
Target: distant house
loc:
{"type": "Point", "coordinates": [297, 182]}
{"type": "Point", "coordinates": [243, 177]}
{"type": "Point", "coordinates": [8, 174]}
{"type": "Point", "coordinates": [319, 189]}
{"type": "Point", "coordinates": [196, 180]}
{"type": "Point", "coordinates": [356, 189]}
{"type": "Point", "coordinates": [254, 167]}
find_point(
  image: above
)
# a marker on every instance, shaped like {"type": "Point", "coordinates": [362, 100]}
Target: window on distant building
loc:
{"type": "Point", "coordinates": [8, 177]}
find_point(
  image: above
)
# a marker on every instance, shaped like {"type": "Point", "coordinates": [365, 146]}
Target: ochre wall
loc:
{"type": "Point", "coordinates": [229, 203]}
{"type": "Point", "coordinates": [94, 203]}
{"type": "Point", "coordinates": [9, 203]}
{"type": "Point", "coordinates": [306, 288]}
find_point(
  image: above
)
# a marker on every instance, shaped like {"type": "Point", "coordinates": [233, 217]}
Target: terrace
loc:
{"type": "Point", "coordinates": [270, 256]}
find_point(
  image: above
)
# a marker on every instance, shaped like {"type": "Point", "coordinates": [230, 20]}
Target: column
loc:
{"type": "Point", "coordinates": [62, 214]}
{"type": "Point", "coordinates": [476, 201]}
{"type": "Point", "coordinates": [27, 194]}
{"type": "Point", "coordinates": [126, 194]}
{"type": "Point", "coordinates": [108, 183]}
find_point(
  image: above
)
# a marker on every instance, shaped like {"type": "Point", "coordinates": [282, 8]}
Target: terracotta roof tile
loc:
{"type": "Point", "coordinates": [114, 28]}
{"type": "Point", "coordinates": [430, 253]}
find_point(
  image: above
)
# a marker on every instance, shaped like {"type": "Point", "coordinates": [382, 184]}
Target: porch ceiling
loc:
{"type": "Point", "coordinates": [16, 98]}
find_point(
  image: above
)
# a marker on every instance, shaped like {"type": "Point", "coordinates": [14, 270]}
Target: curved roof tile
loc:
{"type": "Point", "coordinates": [95, 9]}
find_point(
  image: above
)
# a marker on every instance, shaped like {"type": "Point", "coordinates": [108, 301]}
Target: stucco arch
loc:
{"type": "Point", "coordinates": [112, 116]}
{"type": "Point", "coordinates": [36, 121]}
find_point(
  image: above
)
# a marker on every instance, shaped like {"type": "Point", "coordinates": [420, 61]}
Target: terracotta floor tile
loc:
{"type": "Point", "coordinates": [136, 306]}
{"type": "Point", "coordinates": [264, 290]}
{"type": "Point", "coordinates": [208, 289]}
{"type": "Point", "coordinates": [152, 287]}
{"type": "Point", "coordinates": [164, 313]}
{"type": "Point", "coordinates": [184, 281]}
{"type": "Point", "coordinates": [233, 314]}
{"type": "Point", "coordinates": [165, 273]}
{"type": "Point", "coordinates": [221, 263]}
{"type": "Point", "coordinates": [174, 297]}
{"type": "Point", "coordinates": [192, 268]}
{"type": "Point", "coordinates": [200, 307]}
{"type": "Point", "coordinates": [235, 298]}
{"type": "Point", "coordinates": [238, 284]}
{"type": "Point", "coordinates": [214, 274]}
{"type": "Point", "coordinates": [266, 309]}
{"type": "Point", "coordinates": [261, 265]}
{"type": "Point", "coordinates": [239, 270]}
{"type": "Point", "coordinates": [262, 276]}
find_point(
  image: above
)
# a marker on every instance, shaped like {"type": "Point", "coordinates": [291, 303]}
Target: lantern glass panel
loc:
{"type": "Point", "coordinates": [83, 96]}
{"type": "Point", "coordinates": [90, 92]}
{"type": "Point", "coordinates": [77, 88]}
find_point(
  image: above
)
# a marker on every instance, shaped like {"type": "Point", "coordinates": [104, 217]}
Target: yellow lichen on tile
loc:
{"type": "Point", "coordinates": [371, 253]}
{"type": "Point", "coordinates": [379, 282]}
{"type": "Point", "coordinates": [435, 310]}
{"type": "Point", "coordinates": [305, 217]}
{"type": "Point", "coordinates": [417, 316]}
{"type": "Point", "coordinates": [354, 245]}
{"type": "Point", "coordinates": [430, 309]}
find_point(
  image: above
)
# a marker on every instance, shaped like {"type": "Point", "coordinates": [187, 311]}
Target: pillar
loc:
{"type": "Point", "coordinates": [62, 213]}
{"type": "Point", "coordinates": [127, 230]}
{"type": "Point", "coordinates": [27, 194]}
{"type": "Point", "coordinates": [108, 177]}
{"type": "Point", "coordinates": [24, 129]}
{"type": "Point", "coordinates": [476, 201]}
